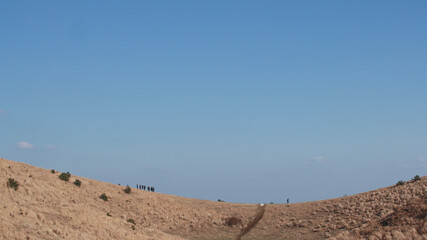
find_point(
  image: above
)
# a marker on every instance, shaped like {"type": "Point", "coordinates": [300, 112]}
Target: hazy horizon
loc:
{"type": "Point", "coordinates": [245, 101]}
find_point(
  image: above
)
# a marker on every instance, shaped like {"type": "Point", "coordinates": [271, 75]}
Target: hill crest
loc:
{"type": "Point", "coordinates": [45, 207]}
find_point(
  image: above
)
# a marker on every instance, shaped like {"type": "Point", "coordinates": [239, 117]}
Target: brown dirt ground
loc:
{"type": "Point", "coordinates": [45, 207]}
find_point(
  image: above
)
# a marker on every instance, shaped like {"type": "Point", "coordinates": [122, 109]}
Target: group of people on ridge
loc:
{"type": "Point", "coordinates": [143, 187]}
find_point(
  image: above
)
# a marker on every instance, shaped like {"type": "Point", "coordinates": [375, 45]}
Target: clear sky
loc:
{"type": "Point", "coordinates": [246, 101]}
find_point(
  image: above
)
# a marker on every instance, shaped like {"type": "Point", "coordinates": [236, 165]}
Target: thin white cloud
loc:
{"type": "Point", "coordinates": [50, 146]}
{"type": "Point", "coordinates": [25, 145]}
{"type": "Point", "coordinates": [319, 159]}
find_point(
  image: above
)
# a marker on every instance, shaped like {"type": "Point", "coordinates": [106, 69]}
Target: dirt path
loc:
{"type": "Point", "coordinates": [258, 216]}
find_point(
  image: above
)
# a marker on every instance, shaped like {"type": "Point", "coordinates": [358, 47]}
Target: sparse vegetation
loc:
{"type": "Point", "coordinates": [77, 182]}
{"type": "Point", "coordinates": [416, 178]}
{"type": "Point", "coordinates": [12, 183]}
{"type": "Point", "coordinates": [130, 220]}
{"type": "Point", "coordinates": [400, 183]}
{"type": "Point", "coordinates": [127, 190]}
{"type": "Point", "coordinates": [52, 171]}
{"type": "Point", "coordinates": [104, 197]}
{"type": "Point", "coordinates": [65, 176]}
{"type": "Point", "coordinates": [233, 221]}
{"type": "Point", "coordinates": [367, 215]}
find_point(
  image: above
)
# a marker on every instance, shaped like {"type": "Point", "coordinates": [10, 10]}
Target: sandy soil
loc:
{"type": "Point", "coordinates": [45, 207]}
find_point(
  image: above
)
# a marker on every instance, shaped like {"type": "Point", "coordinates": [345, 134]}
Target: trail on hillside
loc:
{"type": "Point", "coordinates": [258, 216]}
{"type": "Point", "coordinates": [43, 206]}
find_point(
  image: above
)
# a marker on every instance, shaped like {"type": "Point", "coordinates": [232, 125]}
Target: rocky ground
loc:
{"type": "Point", "coordinates": [45, 207]}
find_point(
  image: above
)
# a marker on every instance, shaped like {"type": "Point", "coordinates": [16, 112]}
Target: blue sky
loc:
{"type": "Point", "coordinates": [247, 101]}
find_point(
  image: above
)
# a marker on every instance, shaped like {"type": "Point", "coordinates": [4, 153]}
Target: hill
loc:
{"type": "Point", "coordinates": [46, 207]}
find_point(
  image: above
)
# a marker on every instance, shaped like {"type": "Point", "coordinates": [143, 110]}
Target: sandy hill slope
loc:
{"type": "Point", "coordinates": [45, 207]}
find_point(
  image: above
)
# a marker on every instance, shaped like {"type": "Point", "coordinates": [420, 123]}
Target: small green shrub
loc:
{"type": "Point", "coordinates": [130, 220]}
{"type": "Point", "coordinates": [12, 183]}
{"type": "Point", "coordinates": [127, 190]}
{"type": "Point", "coordinates": [108, 214]}
{"type": "Point", "coordinates": [65, 176]}
{"type": "Point", "coordinates": [52, 171]}
{"type": "Point", "coordinates": [133, 227]}
{"type": "Point", "coordinates": [416, 178]}
{"type": "Point", "coordinates": [220, 200]}
{"type": "Point", "coordinates": [103, 197]}
{"type": "Point", "coordinates": [78, 183]}
{"type": "Point", "coordinates": [400, 183]}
